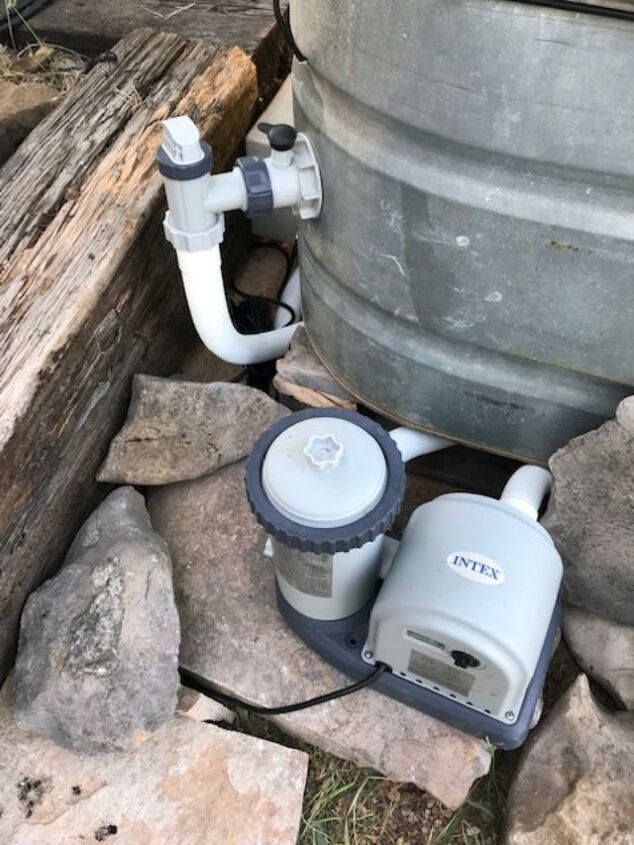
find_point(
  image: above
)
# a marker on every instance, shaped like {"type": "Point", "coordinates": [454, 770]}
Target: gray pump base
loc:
{"type": "Point", "coordinates": [340, 642]}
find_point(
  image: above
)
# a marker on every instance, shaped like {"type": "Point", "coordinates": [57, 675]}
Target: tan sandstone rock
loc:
{"type": "Point", "coordinates": [187, 784]}
{"type": "Point", "coordinates": [177, 430]}
{"type": "Point", "coordinates": [21, 109]}
{"type": "Point", "coordinates": [575, 781]}
{"type": "Point", "coordinates": [233, 634]}
{"type": "Point", "coordinates": [603, 649]}
{"type": "Point", "coordinates": [591, 517]}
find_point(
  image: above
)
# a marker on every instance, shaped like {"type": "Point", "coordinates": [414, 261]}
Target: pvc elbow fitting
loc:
{"type": "Point", "coordinates": [413, 444]}
{"type": "Point", "coordinates": [204, 289]}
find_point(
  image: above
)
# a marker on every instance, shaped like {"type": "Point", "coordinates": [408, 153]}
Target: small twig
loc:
{"type": "Point", "coordinates": [171, 14]}
{"type": "Point", "coordinates": [57, 47]}
{"type": "Point", "coordinates": [179, 10]}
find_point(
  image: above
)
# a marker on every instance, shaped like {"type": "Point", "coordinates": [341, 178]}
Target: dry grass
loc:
{"type": "Point", "coordinates": [348, 805]}
{"type": "Point", "coordinates": [44, 63]}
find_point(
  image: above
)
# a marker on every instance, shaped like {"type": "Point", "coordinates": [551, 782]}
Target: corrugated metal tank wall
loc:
{"type": "Point", "coordinates": [472, 272]}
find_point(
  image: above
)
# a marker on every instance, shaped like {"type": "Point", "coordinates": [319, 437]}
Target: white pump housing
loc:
{"type": "Point", "coordinates": [466, 605]}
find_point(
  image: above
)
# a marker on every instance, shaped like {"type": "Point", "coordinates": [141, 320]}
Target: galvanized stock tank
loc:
{"type": "Point", "coordinates": [472, 272]}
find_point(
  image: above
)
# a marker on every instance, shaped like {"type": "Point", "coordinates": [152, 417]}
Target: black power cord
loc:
{"type": "Point", "coordinates": [254, 313]}
{"type": "Point", "coordinates": [205, 687]}
{"type": "Point", "coordinates": [287, 33]}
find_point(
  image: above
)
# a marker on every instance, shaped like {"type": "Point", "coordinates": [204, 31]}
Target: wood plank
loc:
{"type": "Point", "coordinates": [89, 290]}
{"type": "Point", "coordinates": [302, 376]}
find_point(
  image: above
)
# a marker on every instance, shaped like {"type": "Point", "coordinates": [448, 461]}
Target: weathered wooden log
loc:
{"type": "Point", "coordinates": [89, 290]}
{"type": "Point", "coordinates": [301, 375]}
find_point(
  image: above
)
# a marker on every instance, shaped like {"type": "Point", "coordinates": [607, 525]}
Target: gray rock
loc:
{"type": "Point", "coordinates": [233, 634]}
{"type": "Point", "coordinates": [591, 517]}
{"type": "Point", "coordinates": [178, 430]}
{"type": "Point", "coordinates": [575, 781]}
{"type": "Point", "coordinates": [98, 652]}
{"type": "Point", "coordinates": [187, 784]}
{"type": "Point", "coordinates": [603, 649]}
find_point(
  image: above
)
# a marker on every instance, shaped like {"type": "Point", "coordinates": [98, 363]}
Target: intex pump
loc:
{"type": "Point", "coordinates": [466, 611]}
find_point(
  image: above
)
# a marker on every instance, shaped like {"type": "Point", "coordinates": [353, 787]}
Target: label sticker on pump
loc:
{"type": "Point", "coordinates": [476, 567]}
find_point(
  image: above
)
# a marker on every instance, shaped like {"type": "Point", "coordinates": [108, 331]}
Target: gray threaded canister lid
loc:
{"type": "Point", "coordinates": [325, 480]}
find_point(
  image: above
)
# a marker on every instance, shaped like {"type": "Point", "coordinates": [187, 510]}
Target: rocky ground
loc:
{"type": "Point", "coordinates": [96, 669]}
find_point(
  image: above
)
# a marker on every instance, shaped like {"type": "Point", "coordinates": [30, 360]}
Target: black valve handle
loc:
{"type": "Point", "coordinates": [281, 136]}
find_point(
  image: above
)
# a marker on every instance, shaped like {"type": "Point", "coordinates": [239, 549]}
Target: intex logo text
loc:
{"type": "Point", "coordinates": [476, 567]}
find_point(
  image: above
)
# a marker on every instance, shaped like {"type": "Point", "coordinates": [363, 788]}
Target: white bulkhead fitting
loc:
{"type": "Point", "coordinates": [194, 224]}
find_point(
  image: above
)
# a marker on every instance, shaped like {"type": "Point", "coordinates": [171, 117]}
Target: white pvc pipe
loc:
{"type": "Point", "coordinates": [205, 292]}
{"type": "Point", "coordinates": [228, 192]}
{"type": "Point", "coordinates": [412, 444]}
{"type": "Point", "coordinates": [284, 184]}
{"type": "Point", "coordinates": [291, 296]}
{"type": "Point", "coordinates": [526, 488]}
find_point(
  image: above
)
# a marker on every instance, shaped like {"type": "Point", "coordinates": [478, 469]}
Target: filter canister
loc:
{"type": "Point", "coordinates": [326, 484]}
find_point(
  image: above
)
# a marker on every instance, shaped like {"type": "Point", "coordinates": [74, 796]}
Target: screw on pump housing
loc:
{"type": "Point", "coordinates": [281, 136]}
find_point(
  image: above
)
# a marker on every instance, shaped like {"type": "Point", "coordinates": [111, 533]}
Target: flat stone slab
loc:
{"type": "Point", "coordinates": [232, 633]}
{"type": "Point", "coordinates": [575, 781]}
{"type": "Point", "coordinates": [187, 784]}
{"type": "Point", "coordinates": [177, 430]}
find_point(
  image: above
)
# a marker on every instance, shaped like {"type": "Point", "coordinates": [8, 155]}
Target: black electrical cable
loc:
{"type": "Point", "coordinates": [582, 8]}
{"type": "Point", "coordinates": [16, 16]}
{"type": "Point", "coordinates": [286, 31]}
{"type": "Point", "coordinates": [256, 321]}
{"type": "Point", "coordinates": [205, 687]}
{"type": "Point", "coordinates": [255, 313]}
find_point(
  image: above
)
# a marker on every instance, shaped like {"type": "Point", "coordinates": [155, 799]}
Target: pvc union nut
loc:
{"type": "Point", "coordinates": [258, 184]}
{"type": "Point", "coordinates": [326, 540]}
{"type": "Point", "coordinates": [194, 241]}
